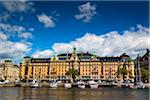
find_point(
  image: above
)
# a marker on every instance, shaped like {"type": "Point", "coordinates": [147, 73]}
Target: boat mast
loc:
{"type": "Point", "coordinates": [136, 70]}
{"type": "Point", "coordinates": [139, 72]}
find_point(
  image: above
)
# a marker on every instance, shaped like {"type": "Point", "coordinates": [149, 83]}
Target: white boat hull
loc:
{"type": "Point", "coordinates": [2, 82]}
{"type": "Point", "coordinates": [53, 85]}
{"type": "Point", "coordinates": [94, 86]}
{"type": "Point", "coordinates": [35, 85]}
{"type": "Point", "coordinates": [67, 85]}
{"type": "Point", "coordinates": [81, 86]}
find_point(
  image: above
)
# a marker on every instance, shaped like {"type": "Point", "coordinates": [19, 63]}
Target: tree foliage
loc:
{"type": "Point", "coordinates": [144, 73]}
{"type": "Point", "coordinates": [72, 73]}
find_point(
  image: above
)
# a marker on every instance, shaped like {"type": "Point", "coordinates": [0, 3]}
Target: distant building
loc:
{"type": "Point", "coordinates": [9, 71]}
{"type": "Point", "coordinates": [143, 61]}
{"type": "Point", "coordinates": [89, 67]}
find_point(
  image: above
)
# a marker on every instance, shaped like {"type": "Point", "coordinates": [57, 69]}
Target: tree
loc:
{"type": "Point", "coordinates": [124, 72]}
{"type": "Point", "coordinates": [144, 74]}
{"type": "Point", "coordinates": [72, 73]}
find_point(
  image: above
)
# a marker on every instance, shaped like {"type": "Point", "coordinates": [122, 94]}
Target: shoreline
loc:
{"type": "Point", "coordinates": [147, 85]}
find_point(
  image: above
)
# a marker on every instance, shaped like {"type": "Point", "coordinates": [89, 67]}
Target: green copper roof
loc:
{"type": "Point", "coordinates": [22, 61]}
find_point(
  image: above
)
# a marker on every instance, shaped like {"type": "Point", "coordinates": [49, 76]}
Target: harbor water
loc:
{"type": "Point", "coordinates": [45, 93]}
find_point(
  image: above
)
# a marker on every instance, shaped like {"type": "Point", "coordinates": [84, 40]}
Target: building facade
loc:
{"type": "Point", "coordinates": [144, 60]}
{"type": "Point", "coordinates": [9, 71]}
{"type": "Point", "coordinates": [88, 66]}
{"type": "Point", "coordinates": [144, 64]}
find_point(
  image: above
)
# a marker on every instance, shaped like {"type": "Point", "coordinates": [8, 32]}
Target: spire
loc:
{"type": "Point", "coordinates": [74, 50]}
{"type": "Point", "coordinates": [74, 56]}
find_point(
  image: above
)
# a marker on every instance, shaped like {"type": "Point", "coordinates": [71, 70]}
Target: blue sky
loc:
{"type": "Point", "coordinates": [50, 27]}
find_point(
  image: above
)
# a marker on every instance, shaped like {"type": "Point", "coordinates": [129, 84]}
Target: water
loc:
{"type": "Point", "coordinates": [21, 93]}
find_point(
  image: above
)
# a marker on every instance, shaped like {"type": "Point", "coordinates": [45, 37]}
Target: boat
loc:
{"type": "Point", "coordinates": [54, 84]}
{"type": "Point", "coordinates": [7, 81]}
{"type": "Point", "coordinates": [2, 82]}
{"type": "Point", "coordinates": [93, 84]}
{"type": "Point", "coordinates": [34, 84]}
{"type": "Point", "coordinates": [68, 85]}
{"type": "Point", "coordinates": [124, 85]}
{"type": "Point", "coordinates": [138, 85]}
{"type": "Point", "coordinates": [81, 84]}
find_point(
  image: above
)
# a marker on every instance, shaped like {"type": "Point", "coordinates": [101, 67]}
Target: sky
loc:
{"type": "Point", "coordinates": [41, 29]}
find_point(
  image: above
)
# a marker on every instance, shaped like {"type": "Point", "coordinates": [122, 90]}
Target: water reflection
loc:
{"type": "Point", "coordinates": [20, 93]}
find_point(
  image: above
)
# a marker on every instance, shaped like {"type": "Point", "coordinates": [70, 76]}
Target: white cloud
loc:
{"type": "Point", "coordinates": [3, 36]}
{"type": "Point", "coordinates": [10, 8]}
{"type": "Point", "coordinates": [18, 6]}
{"type": "Point", "coordinates": [87, 12]}
{"type": "Point", "coordinates": [113, 43]}
{"type": "Point", "coordinates": [25, 35]}
{"type": "Point", "coordinates": [43, 54]}
{"type": "Point", "coordinates": [15, 30]}
{"type": "Point", "coordinates": [109, 44]}
{"type": "Point", "coordinates": [46, 20]}
{"type": "Point", "coordinates": [14, 50]}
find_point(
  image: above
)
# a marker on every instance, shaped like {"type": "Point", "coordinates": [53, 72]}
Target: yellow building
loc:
{"type": "Point", "coordinates": [9, 71]}
{"type": "Point", "coordinates": [88, 66]}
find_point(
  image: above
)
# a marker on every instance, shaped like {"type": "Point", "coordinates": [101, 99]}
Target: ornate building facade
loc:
{"type": "Point", "coordinates": [88, 66]}
{"type": "Point", "coordinates": [9, 71]}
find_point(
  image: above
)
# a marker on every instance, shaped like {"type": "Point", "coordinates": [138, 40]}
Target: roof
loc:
{"type": "Point", "coordinates": [40, 60]}
{"type": "Point", "coordinates": [110, 59]}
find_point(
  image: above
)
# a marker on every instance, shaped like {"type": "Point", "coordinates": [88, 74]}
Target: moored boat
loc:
{"type": "Point", "coordinates": [138, 85]}
{"type": "Point", "coordinates": [2, 82]}
{"type": "Point", "coordinates": [68, 85]}
{"type": "Point", "coordinates": [53, 84]}
{"type": "Point", "coordinates": [34, 84]}
{"type": "Point", "coordinates": [81, 84]}
{"type": "Point", "coordinates": [93, 84]}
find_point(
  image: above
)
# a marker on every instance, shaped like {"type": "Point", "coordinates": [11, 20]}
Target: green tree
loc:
{"type": "Point", "coordinates": [124, 72]}
{"type": "Point", "coordinates": [144, 74]}
{"type": "Point", "coordinates": [72, 73]}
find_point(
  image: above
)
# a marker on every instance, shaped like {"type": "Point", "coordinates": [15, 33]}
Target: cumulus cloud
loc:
{"type": "Point", "coordinates": [14, 50]}
{"type": "Point", "coordinates": [15, 30]}
{"type": "Point", "coordinates": [112, 43]}
{"type": "Point", "coordinates": [8, 8]}
{"type": "Point", "coordinates": [46, 20]}
{"type": "Point", "coordinates": [87, 12]}
{"type": "Point", "coordinates": [25, 35]}
{"type": "Point", "coordinates": [18, 6]}
{"type": "Point", "coordinates": [3, 36]}
{"type": "Point", "coordinates": [43, 54]}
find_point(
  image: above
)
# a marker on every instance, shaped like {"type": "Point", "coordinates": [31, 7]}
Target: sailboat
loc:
{"type": "Point", "coordinates": [138, 84]}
